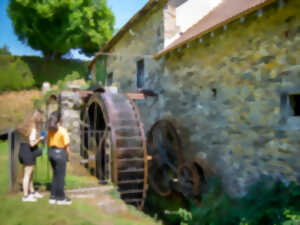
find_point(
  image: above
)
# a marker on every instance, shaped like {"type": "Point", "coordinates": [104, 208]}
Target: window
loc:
{"type": "Point", "coordinates": [290, 111]}
{"type": "Point", "coordinates": [140, 74]}
{"type": "Point", "coordinates": [109, 79]}
{"type": "Point", "coordinates": [295, 104]}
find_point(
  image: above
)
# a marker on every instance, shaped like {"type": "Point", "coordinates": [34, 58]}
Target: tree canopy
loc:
{"type": "Point", "coordinates": [56, 26]}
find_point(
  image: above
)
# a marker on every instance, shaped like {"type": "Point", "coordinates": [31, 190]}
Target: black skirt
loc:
{"type": "Point", "coordinates": [28, 155]}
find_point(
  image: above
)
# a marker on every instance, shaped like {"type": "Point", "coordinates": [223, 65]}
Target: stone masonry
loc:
{"type": "Point", "coordinates": [70, 110]}
{"type": "Point", "coordinates": [233, 95]}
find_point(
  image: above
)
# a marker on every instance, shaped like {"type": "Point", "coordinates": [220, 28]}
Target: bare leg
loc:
{"type": "Point", "coordinates": [31, 187]}
{"type": "Point", "coordinates": [26, 179]}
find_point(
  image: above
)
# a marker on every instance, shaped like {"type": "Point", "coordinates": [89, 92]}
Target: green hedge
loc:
{"type": "Point", "coordinates": [54, 70]}
{"type": "Point", "coordinates": [15, 74]}
{"type": "Point", "coordinates": [25, 72]}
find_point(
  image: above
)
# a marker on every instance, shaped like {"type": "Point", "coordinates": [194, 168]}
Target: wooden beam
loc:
{"type": "Point", "coordinates": [135, 95]}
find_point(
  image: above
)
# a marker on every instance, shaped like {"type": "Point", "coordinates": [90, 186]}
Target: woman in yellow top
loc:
{"type": "Point", "coordinates": [59, 153]}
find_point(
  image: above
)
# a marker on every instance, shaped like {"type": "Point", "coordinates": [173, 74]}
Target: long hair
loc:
{"type": "Point", "coordinates": [53, 121]}
{"type": "Point", "coordinates": [31, 120]}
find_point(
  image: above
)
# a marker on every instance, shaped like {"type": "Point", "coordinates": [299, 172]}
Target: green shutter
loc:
{"type": "Point", "coordinates": [101, 69]}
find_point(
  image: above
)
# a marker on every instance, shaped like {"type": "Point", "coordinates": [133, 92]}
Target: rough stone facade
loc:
{"type": "Point", "coordinates": [233, 95]}
{"type": "Point", "coordinates": [146, 38]}
{"type": "Point", "coordinates": [70, 110]}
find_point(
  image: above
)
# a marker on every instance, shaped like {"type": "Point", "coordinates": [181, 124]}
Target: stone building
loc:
{"type": "Point", "coordinates": [228, 77]}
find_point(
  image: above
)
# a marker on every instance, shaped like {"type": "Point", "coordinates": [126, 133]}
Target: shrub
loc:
{"type": "Point", "coordinates": [4, 50]}
{"type": "Point", "coordinates": [59, 87]}
{"type": "Point", "coordinates": [15, 74]}
{"type": "Point", "coordinates": [267, 202]}
{"type": "Point", "coordinates": [54, 70]}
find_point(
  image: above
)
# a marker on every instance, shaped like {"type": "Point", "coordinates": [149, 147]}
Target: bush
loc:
{"type": "Point", "coordinates": [267, 203]}
{"type": "Point", "coordinates": [4, 50]}
{"type": "Point", "coordinates": [27, 72]}
{"type": "Point", "coordinates": [15, 74]}
{"type": "Point", "coordinates": [58, 88]}
{"type": "Point", "coordinates": [54, 70]}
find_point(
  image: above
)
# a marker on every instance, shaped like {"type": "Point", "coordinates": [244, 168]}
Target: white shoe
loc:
{"type": "Point", "coordinates": [36, 195]}
{"type": "Point", "coordinates": [66, 201]}
{"type": "Point", "coordinates": [29, 198]}
{"type": "Point", "coordinates": [52, 201]}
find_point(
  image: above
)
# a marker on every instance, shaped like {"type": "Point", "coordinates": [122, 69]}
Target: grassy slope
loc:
{"type": "Point", "coordinates": [81, 212]}
{"type": "Point", "coordinates": [14, 106]}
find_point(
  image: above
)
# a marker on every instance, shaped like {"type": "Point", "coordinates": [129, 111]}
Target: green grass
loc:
{"type": "Point", "coordinates": [81, 212]}
{"type": "Point", "coordinates": [43, 176]}
{"type": "Point", "coordinates": [4, 167]}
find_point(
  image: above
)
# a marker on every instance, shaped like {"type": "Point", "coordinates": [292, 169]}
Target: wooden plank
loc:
{"type": "Point", "coordinates": [131, 192]}
{"type": "Point", "coordinates": [10, 136]}
{"type": "Point", "coordinates": [131, 181]}
{"type": "Point", "coordinates": [135, 95]}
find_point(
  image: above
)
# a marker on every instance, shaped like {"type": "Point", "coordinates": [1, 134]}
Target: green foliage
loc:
{"type": "Point", "coordinates": [266, 203]}
{"type": "Point", "coordinates": [182, 214]}
{"type": "Point", "coordinates": [60, 86]}
{"type": "Point", "coordinates": [166, 208]}
{"type": "Point", "coordinates": [56, 26]}
{"type": "Point", "coordinates": [54, 70]}
{"type": "Point", "coordinates": [18, 73]}
{"type": "Point", "coordinates": [15, 73]}
{"type": "Point", "coordinates": [4, 50]}
{"type": "Point", "coordinates": [293, 219]}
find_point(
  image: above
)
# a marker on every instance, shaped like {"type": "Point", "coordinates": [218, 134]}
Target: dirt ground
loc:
{"type": "Point", "coordinates": [14, 106]}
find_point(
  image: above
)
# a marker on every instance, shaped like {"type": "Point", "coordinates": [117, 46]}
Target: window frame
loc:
{"type": "Point", "coordinates": [141, 75]}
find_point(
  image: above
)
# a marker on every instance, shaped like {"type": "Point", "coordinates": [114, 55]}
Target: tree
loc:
{"type": "Point", "coordinates": [4, 50]}
{"type": "Point", "coordinates": [56, 26]}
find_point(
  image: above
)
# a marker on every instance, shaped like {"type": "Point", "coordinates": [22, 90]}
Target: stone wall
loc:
{"type": "Point", "coordinates": [227, 94]}
{"type": "Point", "coordinates": [145, 38]}
{"type": "Point", "coordinates": [70, 110]}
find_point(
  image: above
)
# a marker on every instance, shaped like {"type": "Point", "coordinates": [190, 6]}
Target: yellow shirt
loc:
{"type": "Point", "coordinates": [58, 139]}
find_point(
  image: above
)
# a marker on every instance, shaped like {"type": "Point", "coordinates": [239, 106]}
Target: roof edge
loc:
{"type": "Point", "coordinates": [235, 17]}
{"type": "Point", "coordinates": [134, 19]}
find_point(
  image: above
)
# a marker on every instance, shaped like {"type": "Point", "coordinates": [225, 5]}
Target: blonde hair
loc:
{"type": "Point", "coordinates": [33, 119]}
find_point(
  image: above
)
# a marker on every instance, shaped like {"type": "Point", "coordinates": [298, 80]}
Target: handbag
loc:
{"type": "Point", "coordinates": [36, 151]}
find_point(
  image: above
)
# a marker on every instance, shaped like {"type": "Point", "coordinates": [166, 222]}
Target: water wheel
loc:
{"type": "Point", "coordinates": [164, 146]}
{"type": "Point", "coordinates": [113, 142]}
{"type": "Point", "coordinates": [189, 180]}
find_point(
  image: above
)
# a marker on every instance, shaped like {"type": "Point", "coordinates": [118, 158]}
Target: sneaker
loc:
{"type": "Point", "coordinates": [66, 201]}
{"type": "Point", "coordinates": [36, 194]}
{"type": "Point", "coordinates": [29, 198]}
{"type": "Point", "coordinates": [52, 200]}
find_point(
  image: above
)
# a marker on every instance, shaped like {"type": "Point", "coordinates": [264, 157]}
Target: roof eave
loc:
{"type": "Point", "coordinates": [135, 19]}
{"type": "Point", "coordinates": [166, 50]}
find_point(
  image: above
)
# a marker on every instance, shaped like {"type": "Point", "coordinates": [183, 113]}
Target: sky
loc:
{"type": "Point", "coordinates": [123, 10]}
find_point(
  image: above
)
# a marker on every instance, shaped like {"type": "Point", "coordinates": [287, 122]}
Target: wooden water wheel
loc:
{"type": "Point", "coordinates": [113, 142]}
{"type": "Point", "coordinates": [164, 146]}
{"type": "Point", "coordinates": [168, 172]}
